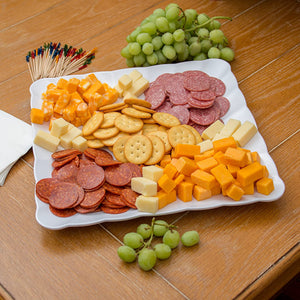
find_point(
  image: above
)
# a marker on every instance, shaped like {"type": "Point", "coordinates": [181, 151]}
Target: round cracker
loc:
{"type": "Point", "coordinates": [111, 141]}
{"type": "Point", "coordinates": [142, 108]}
{"type": "Point", "coordinates": [93, 123]}
{"type": "Point", "coordinates": [132, 112]}
{"type": "Point", "coordinates": [118, 148]}
{"type": "Point", "coordinates": [164, 137]}
{"type": "Point", "coordinates": [158, 150]}
{"type": "Point", "coordinates": [128, 124]}
{"type": "Point", "coordinates": [150, 128]}
{"type": "Point", "coordinates": [111, 106]}
{"type": "Point", "coordinates": [138, 101]}
{"type": "Point", "coordinates": [195, 132]}
{"type": "Point", "coordinates": [109, 119]}
{"type": "Point", "coordinates": [149, 121]}
{"type": "Point", "coordinates": [95, 144]}
{"type": "Point", "coordinates": [166, 119]}
{"type": "Point", "coordinates": [106, 133]}
{"type": "Point", "coordinates": [181, 135]}
{"type": "Point", "coordinates": [138, 149]}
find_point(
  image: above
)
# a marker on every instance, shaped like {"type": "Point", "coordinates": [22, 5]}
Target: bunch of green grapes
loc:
{"type": "Point", "coordinates": [175, 35]}
{"type": "Point", "coordinates": [138, 245]}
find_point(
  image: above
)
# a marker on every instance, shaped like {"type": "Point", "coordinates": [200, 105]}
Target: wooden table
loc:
{"type": "Point", "coordinates": [245, 252]}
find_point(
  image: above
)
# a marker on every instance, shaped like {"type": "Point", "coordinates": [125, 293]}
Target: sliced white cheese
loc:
{"type": "Point", "coordinates": [59, 127]}
{"type": "Point", "coordinates": [205, 145]}
{"type": "Point", "coordinates": [144, 186]}
{"type": "Point", "coordinates": [212, 130]}
{"type": "Point", "coordinates": [66, 139]}
{"type": "Point", "coordinates": [152, 172]}
{"type": "Point", "coordinates": [147, 204]}
{"type": "Point", "coordinates": [46, 140]}
{"type": "Point", "coordinates": [230, 127]}
{"type": "Point", "coordinates": [244, 133]}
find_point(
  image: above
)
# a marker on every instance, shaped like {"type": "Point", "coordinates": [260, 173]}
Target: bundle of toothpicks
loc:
{"type": "Point", "coordinates": [53, 60]}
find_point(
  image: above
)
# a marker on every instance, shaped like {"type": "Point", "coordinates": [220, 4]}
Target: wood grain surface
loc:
{"type": "Point", "coordinates": [245, 252]}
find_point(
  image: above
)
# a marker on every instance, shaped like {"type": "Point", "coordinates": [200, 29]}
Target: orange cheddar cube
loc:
{"type": "Point", "coordinates": [248, 189]}
{"type": "Point", "coordinates": [265, 186]}
{"type": "Point", "coordinates": [204, 155]}
{"type": "Point", "coordinates": [166, 183]}
{"type": "Point", "coordinates": [204, 179]}
{"type": "Point", "coordinates": [185, 191]}
{"type": "Point", "coordinates": [92, 78]}
{"type": "Point", "coordinates": [235, 157]}
{"type": "Point", "coordinates": [37, 116]}
{"type": "Point", "coordinates": [265, 172]}
{"type": "Point", "coordinates": [162, 199]}
{"type": "Point", "coordinates": [207, 164]}
{"type": "Point", "coordinates": [53, 94]}
{"type": "Point", "coordinates": [72, 85]}
{"type": "Point", "coordinates": [188, 179]}
{"type": "Point", "coordinates": [255, 156]}
{"type": "Point", "coordinates": [47, 108]}
{"type": "Point", "coordinates": [94, 88]}
{"type": "Point", "coordinates": [172, 196]}
{"type": "Point", "coordinates": [201, 193]}
{"type": "Point", "coordinates": [69, 113]}
{"type": "Point", "coordinates": [51, 86]}
{"type": "Point", "coordinates": [61, 103]}
{"type": "Point", "coordinates": [222, 175]}
{"type": "Point", "coordinates": [83, 86]}
{"type": "Point", "coordinates": [62, 84]}
{"type": "Point", "coordinates": [233, 169]}
{"type": "Point", "coordinates": [234, 192]}
{"type": "Point", "coordinates": [186, 150]}
{"type": "Point", "coordinates": [215, 190]}
{"type": "Point", "coordinates": [219, 157]}
{"type": "Point", "coordinates": [76, 96]}
{"type": "Point", "coordinates": [186, 166]}
{"type": "Point", "coordinates": [179, 179]}
{"type": "Point", "coordinates": [223, 144]}
{"type": "Point", "coordinates": [250, 173]}
{"type": "Point", "coordinates": [170, 170]}
{"type": "Point", "coordinates": [165, 160]}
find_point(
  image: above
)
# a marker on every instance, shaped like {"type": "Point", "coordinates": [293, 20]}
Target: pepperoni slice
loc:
{"type": "Point", "coordinates": [119, 175]}
{"type": "Point", "coordinates": [135, 169]}
{"type": "Point", "coordinates": [68, 172]}
{"type": "Point", "coordinates": [44, 188]}
{"type": "Point", "coordinates": [129, 197]}
{"type": "Point", "coordinates": [62, 213]}
{"type": "Point", "coordinates": [82, 210]}
{"type": "Point", "coordinates": [114, 200]}
{"type": "Point", "coordinates": [63, 195]}
{"type": "Point", "coordinates": [90, 177]}
{"type": "Point", "coordinates": [93, 199]}
{"type": "Point", "coordinates": [64, 153]}
{"type": "Point", "coordinates": [109, 210]}
{"type": "Point", "coordinates": [92, 153]}
{"type": "Point", "coordinates": [112, 189]}
{"type": "Point", "coordinates": [61, 162]}
{"type": "Point", "coordinates": [105, 162]}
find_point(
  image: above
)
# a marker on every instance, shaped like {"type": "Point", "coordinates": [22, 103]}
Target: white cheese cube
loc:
{"type": "Point", "coordinates": [147, 204]}
{"type": "Point", "coordinates": [230, 127]}
{"type": "Point", "coordinates": [128, 95]}
{"type": "Point", "coordinates": [152, 172]}
{"type": "Point", "coordinates": [135, 75]}
{"type": "Point", "coordinates": [46, 140]}
{"type": "Point", "coordinates": [79, 143]}
{"type": "Point", "coordinates": [66, 139]}
{"type": "Point", "coordinates": [144, 186]}
{"type": "Point", "coordinates": [59, 127]}
{"type": "Point", "coordinates": [212, 130]}
{"type": "Point", "coordinates": [244, 133]}
{"type": "Point", "coordinates": [119, 90]}
{"type": "Point", "coordinates": [139, 86]}
{"type": "Point", "coordinates": [205, 145]}
{"type": "Point", "coordinates": [125, 82]}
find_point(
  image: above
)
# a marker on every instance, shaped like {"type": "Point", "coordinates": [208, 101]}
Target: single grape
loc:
{"type": "Point", "coordinates": [179, 47]}
{"type": "Point", "coordinates": [170, 5]}
{"type": "Point", "coordinates": [216, 36]}
{"type": "Point", "coordinates": [134, 48]}
{"type": "Point", "coordinates": [139, 59]}
{"type": "Point", "coordinates": [190, 16]}
{"type": "Point", "coordinates": [147, 259]}
{"type": "Point", "coordinates": [171, 238]}
{"type": "Point", "coordinates": [133, 240]}
{"type": "Point", "coordinates": [202, 18]}
{"type": "Point", "coordinates": [135, 33]}
{"type": "Point", "coordinates": [227, 54]}
{"type": "Point", "coordinates": [149, 28]}
{"type": "Point", "coordinates": [169, 52]}
{"type": "Point", "coordinates": [167, 38]}
{"type": "Point", "coordinates": [172, 27]}
{"type": "Point", "coordinates": [162, 251]}
{"type": "Point", "coordinates": [214, 52]}
{"type": "Point", "coordinates": [184, 55]}
{"type": "Point", "coordinates": [125, 52]}
{"type": "Point", "coordinates": [152, 59]}
{"type": "Point", "coordinates": [126, 253]}
{"type": "Point", "coordinates": [178, 35]}
{"type": "Point", "coordinates": [195, 48]}
{"type": "Point", "coordinates": [157, 42]}
{"type": "Point", "coordinates": [205, 45]}
{"type": "Point", "coordinates": [159, 12]}
{"type": "Point", "coordinates": [144, 230]}
{"type": "Point", "coordinates": [160, 228]}
{"type": "Point", "coordinates": [147, 48]}
{"type": "Point", "coordinates": [190, 238]}
{"type": "Point", "coordinates": [130, 62]}
{"type": "Point", "coordinates": [146, 64]}
{"type": "Point", "coordinates": [203, 33]}
{"type": "Point", "coordinates": [193, 39]}
{"type": "Point", "coordinates": [172, 13]}
{"type": "Point", "coordinates": [201, 56]}
{"type": "Point", "coordinates": [161, 58]}
{"type": "Point", "coordinates": [214, 24]}
{"type": "Point", "coordinates": [143, 38]}
{"type": "Point", "coordinates": [152, 18]}
{"type": "Point", "coordinates": [162, 24]}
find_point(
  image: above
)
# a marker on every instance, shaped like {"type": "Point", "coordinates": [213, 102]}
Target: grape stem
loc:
{"type": "Point", "coordinates": [207, 22]}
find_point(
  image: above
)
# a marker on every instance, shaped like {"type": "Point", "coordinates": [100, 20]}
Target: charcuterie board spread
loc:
{"type": "Point", "coordinates": [156, 140]}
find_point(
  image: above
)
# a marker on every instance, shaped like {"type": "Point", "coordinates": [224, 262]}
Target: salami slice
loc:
{"type": "Point", "coordinates": [203, 116]}
{"type": "Point", "coordinates": [63, 195]}
{"type": "Point", "coordinates": [223, 104]}
{"type": "Point", "coordinates": [90, 177]}
{"type": "Point", "coordinates": [199, 128]}
{"type": "Point", "coordinates": [93, 199]}
{"type": "Point", "coordinates": [62, 213]}
{"type": "Point", "coordinates": [165, 107]}
{"type": "Point", "coordinates": [200, 104]}
{"type": "Point", "coordinates": [119, 175]}
{"type": "Point", "coordinates": [44, 188]}
{"type": "Point", "coordinates": [218, 86]}
{"type": "Point", "coordinates": [206, 95]}
{"type": "Point", "coordinates": [156, 95]}
{"type": "Point", "coordinates": [196, 81]}
{"type": "Point", "coordinates": [181, 112]}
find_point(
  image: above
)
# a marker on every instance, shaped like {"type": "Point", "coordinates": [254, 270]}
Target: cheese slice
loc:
{"type": "Point", "coordinates": [152, 172]}
{"type": "Point", "coordinates": [147, 204]}
{"type": "Point", "coordinates": [46, 140]}
{"type": "Point", "coordinates": [244, 133]}
{"type": "Point", "coordinates": [144, 186]}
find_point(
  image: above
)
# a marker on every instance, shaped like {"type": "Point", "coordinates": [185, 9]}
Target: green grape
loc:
{"type": "Point", "coordinates": [202, 18]}
{"type": "Point", "coordinates": [162, 24]}
{"type": "Point", "coordinates": [214, 52]}
{"type": "Point", "coordinates": [205, 45]}
{"type": "Point", "coordinates": [143, 38]}
{"type": "Point", "coordinates": [203, 33]}
{"type": "Point", "coordinates": [152, 59]}
{"type": "Point", "coordinates": [161, 58]}
{"type": "Point", "coordinates": [159, 12]}
{"type": "Point", "coordinates": [149, 28]}
{"type": "Point", "coordinates": [178, 35]}
{"type": "Point", "coordinates": [187, 35]}
{"type": "Point", "coordinates": [147, 259]}
{"type": "Point", "coordinates": [172, 13]}
{"type": "Point", "coordinates": [216, 36]}
{"type": "Point", "coordinates": [195, 48]}
{"type": "Point", "coordinates": [190, 17]}
{"type": "Point", "coordinates": [144, 230]}
{"type": "Point", "coordinates": [139, 59]}
{"type": "Point", "coordinates": [171, 238]}
{"type": "Point", "coordinates": [167, 38]}
{"type": "Point", "coordinates": [179, 47]}
{"type": "Point", "coordinates": [146, 64]}
{"type": "Point", "coordinates": [169, 52]}
{"type": "Point", "coordinates": [172, 27]}
{"type": "Point", "coordinates": [127, 254]}
{"type": "Point", "coordinates": [227, 54]}
{"type": "Point", "coordinates": [135, 33]}
{"type": "Point", "coordinates": [128, 39]}
{"type": "Point", "coordinates": [157, 42]}
{"type": "Point", "coordinates": [179, 23]}
{"type": "Point", "coordinates": [130, 62]}
{"type": "Point", "coordinates": [152, 18]}
{"type": "Point", "coordinates": [170, 5]}
{"type": "Point", "coordinates": [160, 228]}
{"type": "Point", "coordinates": [133, 240]}
{"type": "Point", "coordinates": [184, 55]}
{"type": "Point", "coordinates": [147, 48]}
{"type": "Point", "coordinates": [190, 238]}
{"type": "Point", "coordinates": [193, 39]}
{"type": "Point", "coordinates": [201, 56]}
{"type": "Point", "coordinates": [162, 251]}
{"type": "Point", "coordinates": [134, 48]}
{"type": "Point", "coordinates": [125, 52]}
{"type": "Point", "coordinates": [214, 24]}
